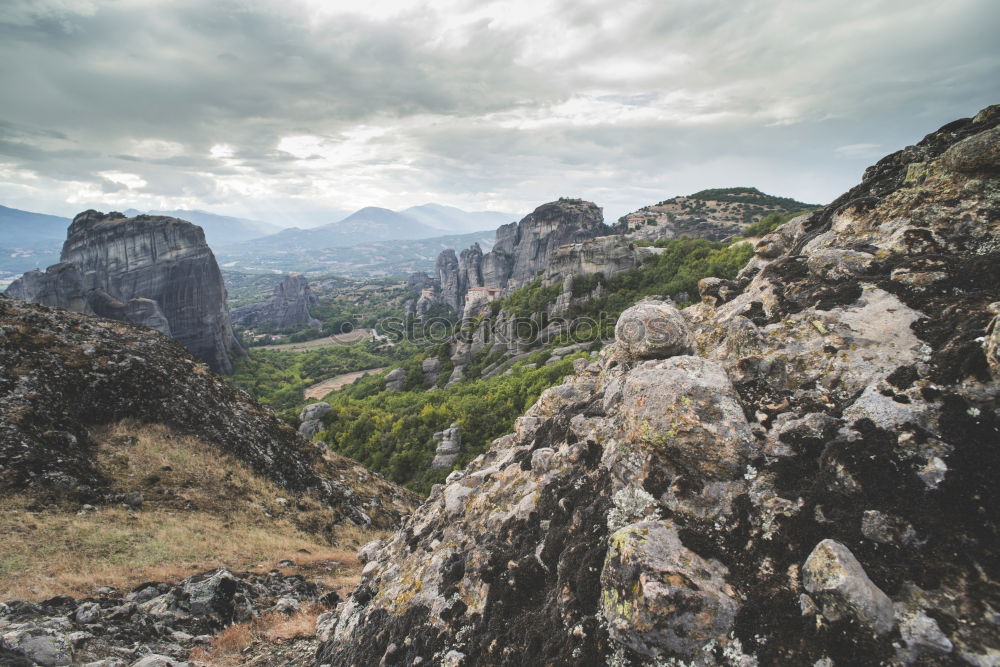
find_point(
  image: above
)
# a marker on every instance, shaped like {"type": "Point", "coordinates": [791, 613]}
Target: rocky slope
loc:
{"type": "Point", "coordinates": [712, 214]}
{"type": "Point", "coordinates": [156, 620]}
{"type": "Point", "coordinates": [150, 270]}
{"type": "Point", "coordinates": [63, 374]}
{"type": "Point", "coordinates": [799, 471]}
{"type": "Point", "coordinates": [288, 306]}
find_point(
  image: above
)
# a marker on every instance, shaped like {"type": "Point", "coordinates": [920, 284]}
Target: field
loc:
{"type": "Point", "coordinates": [321, 389]}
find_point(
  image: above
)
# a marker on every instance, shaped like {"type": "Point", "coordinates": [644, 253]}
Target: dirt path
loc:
{"type": "Point", "coordinates": [337, 339]}
{"type": "Point", "coordinates": [321, 389]}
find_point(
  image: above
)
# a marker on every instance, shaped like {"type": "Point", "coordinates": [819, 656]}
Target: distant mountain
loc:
{"type": "Point", "coordinates": [375, 225]}
{"type": "Point", "coordinates": [219, 230]}
{"type": "Point", "coordinates": [366, 260]}
{"type": "Point", "coordinates": [456, 221]}
{"type": "Point", "coordinates": [31, 231]}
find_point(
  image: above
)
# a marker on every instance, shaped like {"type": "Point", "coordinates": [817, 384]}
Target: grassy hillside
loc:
{"type": "Point", "coordinates": [172, 511]}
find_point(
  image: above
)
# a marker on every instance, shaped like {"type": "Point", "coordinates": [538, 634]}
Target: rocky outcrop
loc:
{"type": "Point", "coordinates": [149, 270]}
{"type": "Point", "coordinates": [450, 278]}
{"type": "Point", "coordinates": [288, 308]}
{"type": "Point", "coordinates": [783, 477]}
{"type": "Point", "coordinates": [157, 624]}
{"type": "Point", "coordinates": [449, 446]}
{"type": "Point", "coordinates": [63, 374]}
{"type": "Point", "coordinates": [394, 379]}
{"type": "Point", "coordinates": [607, 255]}
{"type": "Point", "coordinates": [710, 214]}
{"type": "Point", "coordinates": [59, 286]}
{"type": "Point", "coordinates": [522, 250]}
{"type": "Point", "coordinates": [311, 419]}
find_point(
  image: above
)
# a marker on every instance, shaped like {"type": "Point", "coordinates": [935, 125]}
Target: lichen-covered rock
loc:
{"type": "Point", "coordinates": [824, 402]}
{"type": "Point", "coordinates": [661, 599]}
{"type": "Point", "coordinates": [835, 576]}
{"type": "Point", "coordinates": [652, 329]}
{"type": "Point", "coordinates": [686, 412]}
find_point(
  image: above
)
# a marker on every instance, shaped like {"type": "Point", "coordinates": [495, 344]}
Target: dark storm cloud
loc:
{"type": "Point", "coordinates": [228, 103]}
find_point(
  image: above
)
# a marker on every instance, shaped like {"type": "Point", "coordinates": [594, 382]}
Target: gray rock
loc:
{"type": "Point", "coordinates": [660, 598]}
{"type": "Point", "coordinates": [652, 330]}
{"type": "Point", "coordinates": [835, 577]}
{"type": "Point", "coordinates": [449, 446]}
{"type": "Point", "coordinates": [156, 660]}
{"type": "Point", "coordinates": [315, 411]}
{"type": "Point", "coordinates": [45, 648]}
{"type": "Point", "coordinates": [394, 379]}
{"type": "Point", "coordinates": [978, 153]}
{"type": "Point", "coordinates": [368, 551]}
{"type": "Point", "coordinates": [312, 419]}
{"type": "Point", "coordinates": [60, 286]}
{"type": "Point", "coordinates": [87, 613]}
{"type": "Point", "coordinates": [150, 270]}
{"type": "Point", "coordinates": [685, 410]}
{"type": "Point", "coordinates": [835, 264]}
{"type": "Point", "coordinates": [450, 279]}
{"type": "Point", "coordinates": [887, 529]}
{"type": "Point", "coordinates": [288, 307]}
{"type": "Point", "coordinates": [607, 255]}
{"type": "Point", "coordinates": [431, 366]}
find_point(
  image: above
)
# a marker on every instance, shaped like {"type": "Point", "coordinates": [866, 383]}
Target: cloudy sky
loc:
{"type": "Point", "coordinates": [276, 109]}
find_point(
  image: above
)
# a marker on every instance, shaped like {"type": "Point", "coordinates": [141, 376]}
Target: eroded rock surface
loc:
{"type": "Point", "coordinates": [288, 307]}
{"type": "Point", "coordinates": [809, 480]}
{"type": "Point", "coordinates": [150, 270]}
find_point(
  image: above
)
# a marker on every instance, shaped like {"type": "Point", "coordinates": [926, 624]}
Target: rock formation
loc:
{"type": "Point", "coordinates": [606, 254]}
{"type": "Point", "coordinates": [288, 307]}
{"type": "Point", "coordinates": [450, 279]}
{"type": "Point", "coordinates": [448, 448]}
{"type": "Point", "coordinates": [312, 419]}
{"type": "Point", "coordinates": [149, 270]}
{"type": "Point", "coordinates": [62, 374]}
{"type": "Point", "coordinates": [521, 251]}
{"type": "Point", "coordinates": [800, 470]}
{"type": "Point", "coordinates": [394, 379]}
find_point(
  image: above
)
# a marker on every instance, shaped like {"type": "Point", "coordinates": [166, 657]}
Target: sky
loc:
{"type": "Point", "coordinates": [291, 110]}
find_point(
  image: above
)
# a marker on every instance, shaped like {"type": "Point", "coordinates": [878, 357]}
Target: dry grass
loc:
{"type": "Point", "coordinates": [205, 511]}
{"type": "Point", "coordinates": [228, 648]}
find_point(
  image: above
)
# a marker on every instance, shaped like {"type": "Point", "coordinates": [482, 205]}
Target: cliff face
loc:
{"type": "Point", "coordinates": [288, 307]}
{"type": "Point", "coordinates": [606, 254]}
{"type": "Point", "coordinates": [521, 251]}
{"type": "Point", "coordinates": [162, 262]}
{"type": "Point", "coordinates": [799, 470]}
{"type": "Point", "coordinates": [62, 374]}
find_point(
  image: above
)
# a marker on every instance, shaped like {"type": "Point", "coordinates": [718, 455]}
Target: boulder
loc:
{"type": "Point", "coordinates": [652, 330]}
{"type": "Point", "coordinates": [661, 599]}
{"type": "Point", "coordinates": [394, 379]}
{"type": "Point", "coordinates": [833, 575]}
{"type": "Point", "coordinates": [686, 411]}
